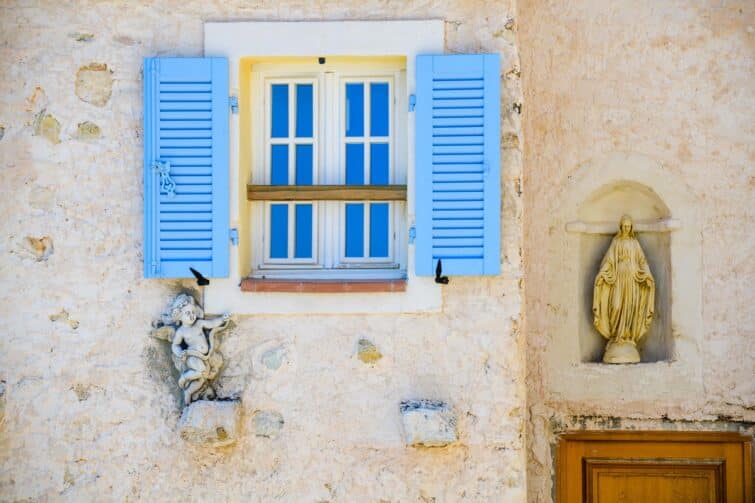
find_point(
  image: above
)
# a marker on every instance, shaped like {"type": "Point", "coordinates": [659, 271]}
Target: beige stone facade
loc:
{"type": "Point", "coordinates": [665, 90]}
{"type": "Point", "coordinates": [88, 402]}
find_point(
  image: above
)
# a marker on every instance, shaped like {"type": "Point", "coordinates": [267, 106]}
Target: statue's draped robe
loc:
{"type": "Point", "coordinates": [624, 293]}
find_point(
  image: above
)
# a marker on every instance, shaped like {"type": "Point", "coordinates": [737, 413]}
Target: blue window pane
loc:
{"type": "Point", "coordinates": [304, 164]}
{"type": "Point", "coordinates": [354, 109]}
{"type": "Point", "coordinates": [303, 241]}
{"type": "Point", "coordinates": [379, 109]}
{"type": "Point", "coordinates": [279, 231]}
{"type": "Point", "coordinates": [279, 165]}
{"type": "Point", "coordinates": [355, 164]}
{"type": "Point", "coordinates": [355, 230]}
{"type": "Point", "coordinates": [379, 230]}
{"type": "Point", "coordinates": [304, 110]}
{"type": "Point", "coordinates": [279, 111]}
{"type": "Point", "coordinates": [379, 164]}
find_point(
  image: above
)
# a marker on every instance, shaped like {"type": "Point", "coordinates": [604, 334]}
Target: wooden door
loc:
{"type": "Point", "coordinates": [654, 467]}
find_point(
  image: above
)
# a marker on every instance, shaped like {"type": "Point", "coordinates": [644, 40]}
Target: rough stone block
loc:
{"type": "Point", "coordinates": [428, 423]}
{"type": "Point", "coordinates": [211, 423]}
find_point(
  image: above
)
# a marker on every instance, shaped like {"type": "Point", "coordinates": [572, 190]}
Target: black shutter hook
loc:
{"type": "Point", "coordinates": [441, 280]}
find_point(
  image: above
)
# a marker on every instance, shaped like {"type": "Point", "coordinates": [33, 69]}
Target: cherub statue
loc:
{"type": "Point", "coordinates": [194, 350]}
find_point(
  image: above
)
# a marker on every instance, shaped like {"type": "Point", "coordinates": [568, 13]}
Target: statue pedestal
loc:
{"type": "Point", "coordinates": [621, 352]}
{"type": "Point", "coordinates": [211, 423]}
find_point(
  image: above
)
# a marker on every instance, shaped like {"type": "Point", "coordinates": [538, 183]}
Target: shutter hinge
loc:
{"type": "Point", "coordinates": [412, 234]}
{"type": "Point", "coordinates": [233, 234]}
{"type": "Point", "coordinates": [412, 102]}
{"type": "Point", "coordinates": [233, 101]}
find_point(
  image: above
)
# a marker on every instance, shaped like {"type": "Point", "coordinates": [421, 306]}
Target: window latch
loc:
{"type": "Point", "coordinates": [167, 184]}
{"type": "Point", "coordinates": [233, 235]}
{"type": "Point", "coordinates": [412, 102]}
{"type": "Point", "coordinates": [233, 102]}
{"type": "Point", "coordinates": [412, 234]}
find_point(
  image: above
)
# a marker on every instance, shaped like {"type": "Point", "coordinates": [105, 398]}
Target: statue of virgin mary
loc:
{"type": "Point", "coordinates": [624, 296]}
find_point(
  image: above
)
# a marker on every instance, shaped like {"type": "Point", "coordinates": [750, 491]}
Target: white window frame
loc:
{"type": "Point", "coordinates": [237, 40]}
{"type": "Point", "coordinates": [329, 259]}
{"type": "Point", "coordinates": [266, 141]}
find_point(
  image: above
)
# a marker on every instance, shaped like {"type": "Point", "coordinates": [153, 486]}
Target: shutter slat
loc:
{"type": "Point", "coordinates": [456, 93]}
{"type": "Point", "coordinates": [458, 165]}
{"type": "Point", "coordinates": [456, 223]}
{"type": "Point", "coordinates": [182, 125]}
{"type": "Point", "coordinates": [457, 232]}
{"type": "Point", "coordinates": [168, 142]}
{"type": "Point", "coordinates": [457, 195]}
{"type": "Point", "coordinates": [174, 89]}
{"type": "Point", "coordinates": [455, 122]}
{"type": "Point", "coordinates": [186, 106]}
{"type": "Point", "coordinates": [192, 225]}
{"type": "Point", "coordinates": [186, 129]}
{"type": "Point", "coordinates": [458, 149]}
{"type": "Point", "coordinates": [188, 255]}
{"type": "Point", "coordinates": [183, 235]}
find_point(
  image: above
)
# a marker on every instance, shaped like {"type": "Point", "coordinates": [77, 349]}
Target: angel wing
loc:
{"type": "Point", "coordinates": [164, 332]}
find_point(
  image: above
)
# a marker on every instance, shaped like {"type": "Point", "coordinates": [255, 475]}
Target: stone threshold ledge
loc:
{"type": "Point", "coordinates": [665, 225]}
{"type": "Point", "coordinates": [322, 286]}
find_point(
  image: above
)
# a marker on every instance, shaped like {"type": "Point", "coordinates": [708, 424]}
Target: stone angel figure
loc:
{"type": "Point", "coordinates": [194, 346]}
{"type": "Point", "coordinates": [624, 296]}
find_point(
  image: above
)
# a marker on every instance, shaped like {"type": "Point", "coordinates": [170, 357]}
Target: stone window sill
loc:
{"type": "Point", "coordinates": [322, 286]}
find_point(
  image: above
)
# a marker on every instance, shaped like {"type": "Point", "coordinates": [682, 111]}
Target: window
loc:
{"type": "Point", "coordinates": [324, 129]}
{"type": "Point", "coordinates": [291, 186]}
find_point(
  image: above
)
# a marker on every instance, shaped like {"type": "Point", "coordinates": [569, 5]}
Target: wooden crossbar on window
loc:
{"type": "Point", "coordinates": [326, 192]}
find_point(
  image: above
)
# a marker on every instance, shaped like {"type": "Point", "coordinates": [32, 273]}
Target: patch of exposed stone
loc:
{"type": "Point", "coordinates": [63, 317]}
{"type": "Point", "coordinates": [367, 352]}
{"type": "Point", "coordinates": [47, 125]}
{"type": "Point", "coordinates": [81, 36]}
{"type": "Point", "coordinates": [94, 84]}
{"type": "Point", "coordinates": [267, 423]}
{"type": "Point", "coordinates": [41, 248]}
{"type": "Point", "coordinates": [88, 131]}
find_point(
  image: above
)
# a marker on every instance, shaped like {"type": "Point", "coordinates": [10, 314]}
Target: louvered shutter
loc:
{"type": "Point", "coordinates": [458, 175]}
{"type": "Point", "coordinates": [186, 167]}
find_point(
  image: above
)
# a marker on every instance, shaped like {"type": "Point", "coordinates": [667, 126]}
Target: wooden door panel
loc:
{"type": "Point", "coordinates": [658, 467]}
{"type": "Point", "coordinates": [678, 480]}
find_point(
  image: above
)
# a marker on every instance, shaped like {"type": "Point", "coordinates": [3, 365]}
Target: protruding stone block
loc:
{"type": "Point", "coordinates": [211, 423]}
{"type": "Point", "coordinates": [428, 423]}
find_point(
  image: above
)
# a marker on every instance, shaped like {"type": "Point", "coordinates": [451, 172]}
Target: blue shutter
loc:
{"type": "Point", "coordinates": [458, 165]}
{"type": "Point", "coordinates": [186, 191]}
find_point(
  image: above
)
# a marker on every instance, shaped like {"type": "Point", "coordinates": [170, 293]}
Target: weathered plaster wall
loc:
{"type": "Point", "coordinates": [87, 399]}
{"type": "Point", "coordinates": [667, 81]}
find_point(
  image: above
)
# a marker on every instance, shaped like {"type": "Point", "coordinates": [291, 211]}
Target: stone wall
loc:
{"type": "Point", "coordinates": [670, 82]}
{"type": "Point", "coordinates": [87, 398]}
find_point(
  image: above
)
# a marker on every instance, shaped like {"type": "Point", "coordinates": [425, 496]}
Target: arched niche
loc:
{"type": "Point", "coordinates": [598, 217]}
{"type": "Point", "coordinates": [584, 214]}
